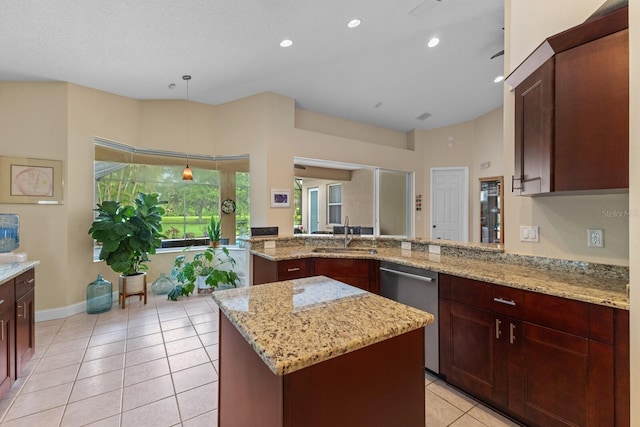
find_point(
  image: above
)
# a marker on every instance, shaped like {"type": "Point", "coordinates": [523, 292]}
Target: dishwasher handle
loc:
{"type": "Point", "coordinates": [409, 275]}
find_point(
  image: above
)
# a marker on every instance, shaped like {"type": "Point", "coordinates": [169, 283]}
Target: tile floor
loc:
{"type": "Point", "coordinates": [154, 365]}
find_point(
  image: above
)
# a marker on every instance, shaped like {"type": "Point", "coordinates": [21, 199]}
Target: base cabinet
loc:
{"type": "Point", "coordinates": [17, 327]}
{"type": "Point", "coordinates": [544, 360]}
{"type": "Point", "coordinates": [25, 330]}
{"type": "Point", "coordinates": [361, 273]}
{"type": "Point", "coordinates": [7, 353]}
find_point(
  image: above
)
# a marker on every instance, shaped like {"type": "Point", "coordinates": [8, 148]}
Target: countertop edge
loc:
{"type": "Point", "coordinates": [618, 300]}
{"type": "Point", "coordinates": [418, 320]}
{"type": "Point", "coordinates": [14, 269]}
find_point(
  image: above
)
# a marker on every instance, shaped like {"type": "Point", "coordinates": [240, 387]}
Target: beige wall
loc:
{"type": "Point", "coordinates": [60, 120]}
{"type": "Point", "coordinates": [474, 142]}
{"type": "Point", "coordinates": [357, 199]}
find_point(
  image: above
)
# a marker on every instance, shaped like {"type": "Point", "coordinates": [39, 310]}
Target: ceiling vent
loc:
{"type": "Point", "coordinates": [424, 116]}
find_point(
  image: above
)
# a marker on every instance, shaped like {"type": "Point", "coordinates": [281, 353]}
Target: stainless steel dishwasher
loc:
{"type": "Point", "coordinates": [417, 288]}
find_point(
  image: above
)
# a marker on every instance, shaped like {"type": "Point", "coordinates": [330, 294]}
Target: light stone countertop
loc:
{"type": "Point", "coordinates": [298, 323]}
{"type": "Point", "coordinates": [14, 269]}
{"type": "Point", "coordinates": [577, 286]}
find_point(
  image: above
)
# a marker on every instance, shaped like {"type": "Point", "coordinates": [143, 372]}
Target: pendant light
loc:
{"type": "Point", "coordinates": [187, 175]}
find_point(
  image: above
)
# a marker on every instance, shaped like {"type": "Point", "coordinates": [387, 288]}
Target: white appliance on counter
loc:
{"type": "Point", "coordinates": [416, 288]}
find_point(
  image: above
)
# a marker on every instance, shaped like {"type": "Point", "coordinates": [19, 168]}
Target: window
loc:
{"type": "Point", "coordinates": [121, 172]}
{"type": "Point", "coordinates": [334, 202]}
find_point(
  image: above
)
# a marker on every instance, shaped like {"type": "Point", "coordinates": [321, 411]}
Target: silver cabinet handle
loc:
{"type": "Point", "coordinates": [30, 281]}
{"type": "Point", "coordinates": [498, 323]}
{"type": "Point", "coordinates": [512, 336]}
{"type": "Point", "coordinates": [1, 301]}
{"type": "Point", "coordinates": [409, 275]}
{"type": "Point", "coordinates": [19, 307]}
{"type": "Point", "coordinates": [293, 269]}
{"type": "Point", "coordinates": [505, 301]}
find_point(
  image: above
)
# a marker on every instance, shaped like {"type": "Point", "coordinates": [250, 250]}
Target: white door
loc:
{"type": "Point", "coordinates": [314, 222]}
{"type": "Point", "coordinates": [450, 203]}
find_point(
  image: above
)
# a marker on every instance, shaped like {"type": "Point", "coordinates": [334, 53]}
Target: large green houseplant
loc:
{"type": "Point", "coordinates": [129, 233]}
{"type": "Point", "coordinates": [213, 267]}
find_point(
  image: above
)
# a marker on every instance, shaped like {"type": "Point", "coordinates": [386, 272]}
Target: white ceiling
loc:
{"type": "Point", "coordinates": [137, 48]}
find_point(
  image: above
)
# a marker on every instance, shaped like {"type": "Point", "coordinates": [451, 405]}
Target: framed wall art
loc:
{"type": "Point", "coordinates": [25, 180]}
{"type": "Point", "coordinates": [280, 198]}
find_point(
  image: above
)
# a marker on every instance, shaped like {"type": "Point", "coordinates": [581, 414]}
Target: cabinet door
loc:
{"type": "Point", "coordinates": [534, 111]}
{"type": "Point", "coordinates": [592, 115]}
{"type": "Point", "coordinates": [472, 351]}
{"type": "Point", "coordinates": [361, 273]}
{"type": "Point", "coordinates": [25, 331]}
{"type": "Point", "coordinates": [7, 350]}
{"type": "Point", "coordinates": [559, 379]}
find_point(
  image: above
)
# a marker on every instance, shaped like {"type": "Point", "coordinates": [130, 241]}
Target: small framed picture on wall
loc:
{"type": "Point", "coordinates": [280, 198]}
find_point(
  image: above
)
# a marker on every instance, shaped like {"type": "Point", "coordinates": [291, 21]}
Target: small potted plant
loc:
{"type": "Point", "coordinates": [127, 235]}
{"type": "Point", "coordinates": [214, 231]}
{"type": "Point", "coordinates": [212, 268]}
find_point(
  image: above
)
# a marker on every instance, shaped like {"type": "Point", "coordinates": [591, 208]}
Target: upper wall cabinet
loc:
{"type": "Point", "coordinates": [572, 110]}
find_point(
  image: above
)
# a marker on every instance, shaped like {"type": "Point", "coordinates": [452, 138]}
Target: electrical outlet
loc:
{"type": "Point", "coordinates": [595, 238]}
{"type": "Point", "coordinates": [529, 233]}
{"type": "Point", "coordinates": [405, 245]}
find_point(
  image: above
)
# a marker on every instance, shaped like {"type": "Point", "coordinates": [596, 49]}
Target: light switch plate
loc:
{"type": "Point", "coordinates": [405, 245]}
{"type": "Point", "coordinates": [529, 233]}
{"type": "Point", "coordinates": [270, 244]}
{"type": "Point", "coordinates": [595, 238]}
{"type": "Point", "coordinates": [434, 249]}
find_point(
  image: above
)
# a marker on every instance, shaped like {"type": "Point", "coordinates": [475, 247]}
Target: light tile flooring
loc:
{"type": "Point", "coordinates": [154, 365]}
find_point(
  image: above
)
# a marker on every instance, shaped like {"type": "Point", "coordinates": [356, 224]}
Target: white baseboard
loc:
{"type": "Point", "coordinates": [62, 312]}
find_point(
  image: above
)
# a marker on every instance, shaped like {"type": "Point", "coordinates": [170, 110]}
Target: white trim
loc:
{"type": "Point", "coordinates": [465, 208]}
{"type": "Point", "coordinates": [70, 310]}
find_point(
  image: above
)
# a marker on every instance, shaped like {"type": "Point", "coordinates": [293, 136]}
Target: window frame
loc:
{"type": "Point", "coordinates": [331, 204]}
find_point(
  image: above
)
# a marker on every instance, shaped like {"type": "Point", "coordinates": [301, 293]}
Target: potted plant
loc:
{"type": "Point", "coordinates": [213, 268]}
{"type": "Point", "coordinates": [214, 231]}
{"type": "Point", "coordinates": [128, 234]}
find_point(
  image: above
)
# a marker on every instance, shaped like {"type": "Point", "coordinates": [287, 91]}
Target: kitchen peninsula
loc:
{"type": "Point", "coordinates": [318, 352]}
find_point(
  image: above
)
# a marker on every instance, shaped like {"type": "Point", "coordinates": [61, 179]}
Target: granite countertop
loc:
{"type": "Point", "coordinates": [577, 286]}
{"type": "Point", "coordinates": [294, 324]}
{"type": "Point", "coordinates": [14, 269]}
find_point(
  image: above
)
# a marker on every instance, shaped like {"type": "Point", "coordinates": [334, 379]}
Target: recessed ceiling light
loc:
{"type": "Point", "coordinates": [433, 42]}
{"type": "Point", "coordinates": [498, 79]}
{"type": "Point", "coordinates": [354, 23]}
{"type": "Point", "coordinates": [286, 43]}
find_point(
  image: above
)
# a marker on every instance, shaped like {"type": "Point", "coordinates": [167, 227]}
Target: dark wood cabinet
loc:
{"type": "Point", "coordinates": [7, 334]}
{"type": "Point", "coordinates": [266, 271]}
{"type": "Point", "coordinates": [361, 273]}
{"type": "Point", "coordinates": [572, 112]}
{"type": "Point", "coordinates": [534, 132]}
{"type": "Point", "coordinates": [545, 360]}
{"type": "Point", "coordinates": [592, 115]}
{"type": "Point", "coordinates": [17, 327]}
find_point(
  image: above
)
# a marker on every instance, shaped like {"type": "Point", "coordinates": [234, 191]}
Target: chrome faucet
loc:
{"type": "Point", "coordinates": [347, 239]}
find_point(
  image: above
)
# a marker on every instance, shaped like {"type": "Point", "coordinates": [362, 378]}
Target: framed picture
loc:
{"type": "Point", "coordinates": [280, 198]}
{"type": "Point", "coordinates": [24, 180]}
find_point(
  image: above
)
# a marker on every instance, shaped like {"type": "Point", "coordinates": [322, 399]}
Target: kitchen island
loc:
{"type": "Point", "coordinates": [317, 352]}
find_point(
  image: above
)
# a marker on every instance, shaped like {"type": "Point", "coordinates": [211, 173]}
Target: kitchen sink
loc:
{"type": "Point", "coordinates": [344, 251]}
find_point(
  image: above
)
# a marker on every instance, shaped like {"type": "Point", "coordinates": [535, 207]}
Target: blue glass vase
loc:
{"type": "Point", "coordinates": [99, 296]}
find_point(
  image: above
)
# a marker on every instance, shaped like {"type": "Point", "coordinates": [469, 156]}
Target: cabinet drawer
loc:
{"type": "Point", "coordinates": [557, 313]}
{"type": "Point", "coordinates": [293, 269]}
{"type": "Point", "coordinates": [471, 292]}
{"type": "Point", "coordinates": [343, 267]}
{"type": "Point", "coordinates": [7, 295]}
{"type": "Point", "coordinates": [25, 283]}
{"type": "Point", "coordinates": [506, 300]}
